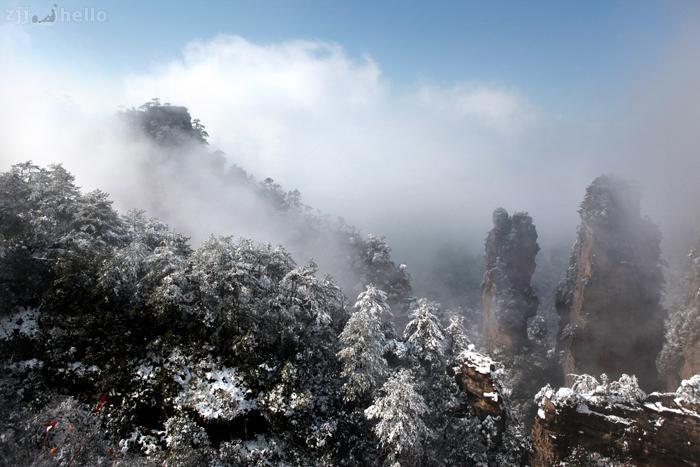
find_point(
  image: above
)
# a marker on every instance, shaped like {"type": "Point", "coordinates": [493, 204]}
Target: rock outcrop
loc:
{"type": "Point", "coordinates": [680, 358]}
{"type": "Point", "coordinates": [477, 378]}
{"type": "Point", "coordinates": [690, 363]}
{"type": "Point", "coordinates": [611, 320]}
{"type": "Point", "coordinates": [507, 297]}
{"type": "Point", "coordinates": [601, 423]}
{"type": "Point", "coordinates": [492, 436]}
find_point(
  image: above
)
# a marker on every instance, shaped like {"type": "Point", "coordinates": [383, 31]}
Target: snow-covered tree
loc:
{"type": "Point", "coordinates": [424, 335]}
{"type": "Point", "coordinates": [455, 337]}
{"type": "Point", "coordinates": [399, 413]}
{"type": "Point", "coordinates": [37, 208]}
{"type": "Point", "coordinates": [362, 341]}
{"type": "Point", "coordinates": [235, 282]}
{"type": "Point", "coordinates": [308, 298]}
{"type": "Point", "coordinates": [149, 270]}
{"type": "Point", "coordinates": [94, 216]}
{"type": "Point", "coordinates": [371, 260]}
{"type": "Point", "coordinates": [230, 353]}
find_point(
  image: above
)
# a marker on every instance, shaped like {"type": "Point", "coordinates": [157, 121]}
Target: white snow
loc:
{"type": "Point", "coordinates": [147, 443]}
{"type": "Point", "coordinates": [658, 407]}
{"type": "Point", "coordinates": [616, 419]}
{"type": "Point", "coordinates": [80, 369]}
{"type": "Point", "coordinates": [689, 390]}
{"type": "Point", "coordinates": [216, 394]}
{"type": "Point", "coordinates": [23, 323]}
{"type": "Point", "coordinates": [24, 365]}
{"type": "Point", "coordinates": [583, 408]}
{"type": "Point", "coordinates": [145, 371]}
{"type": "Point", "coordinates": [563, 393]}
{"type": "Point", "coordinates": [479, 362]}
{"type": "Point", "coordinates": [545, 393]}
{"type": "Point", "coordinates": [588, 390]}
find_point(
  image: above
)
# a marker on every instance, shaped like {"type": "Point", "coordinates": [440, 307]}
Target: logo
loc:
{"type": "Point", "coordinates": [23, 15]}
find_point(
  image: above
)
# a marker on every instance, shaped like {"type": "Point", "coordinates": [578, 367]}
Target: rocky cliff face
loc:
{"type": "Point", "coordinates": [480, 379]}
{"type": "Point", "coordinates": [690, 363]}
{"type": "Point", "coordinates": [477, 378]}
{"type": "Point", "coordinates": [601, 423]}
{"type": "Point", "coordinates": [594, 422]}
{"type": "Point", "coordinates": [609, 303]}
{"type": "Point", "coordinates": [680, 358]}
{"type": "Point", "coordinates": [508, 299]}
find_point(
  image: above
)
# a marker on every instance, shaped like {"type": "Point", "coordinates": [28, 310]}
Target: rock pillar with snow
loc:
{"type": "Point", "coordinates": [507, 298]}
{"type": "Point", "coordinates": [680, 358]}
{"type": "Point", "coordinates": [611, 320]}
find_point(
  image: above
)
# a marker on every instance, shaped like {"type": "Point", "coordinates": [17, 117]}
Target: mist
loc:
{"type": "Point", "coordinates": [424, 164]}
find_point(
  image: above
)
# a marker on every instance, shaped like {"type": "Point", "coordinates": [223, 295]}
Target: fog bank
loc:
{"type": "Point", "coordinates": [424, 165]}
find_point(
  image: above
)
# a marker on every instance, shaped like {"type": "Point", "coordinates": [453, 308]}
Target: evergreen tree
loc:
{"type": "Point", "coordinates": [399, 413]}
{"type": "Point", "coordinates": [362, 341]}
{"type": "Point", "coordinates": [424, 336]}
{"type": "Point", "coordinates": [456, 338]}
{"type": "Point", "coordinates": [149, 270]}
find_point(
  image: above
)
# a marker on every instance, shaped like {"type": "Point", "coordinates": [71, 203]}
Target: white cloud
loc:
{"type": "Point", "coordinates": [489, 106]}
{"type": "Point", "coordinates": [313, 117]}
{"type": "Point", "coordinates": [418, 164]}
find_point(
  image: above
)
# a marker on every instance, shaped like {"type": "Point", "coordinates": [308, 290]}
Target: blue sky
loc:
{"type": "Point", "coordinates": [560, 53]}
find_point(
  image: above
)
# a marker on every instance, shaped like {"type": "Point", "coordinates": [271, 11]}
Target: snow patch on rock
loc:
{"type": "Point", "coordinates": [479, 362]}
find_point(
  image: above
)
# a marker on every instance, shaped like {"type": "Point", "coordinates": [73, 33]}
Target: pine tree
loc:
{"type": "Point", "coordinates": [149, 270]}
{"type": "Point", "coordinates": [362, 340]}
{"type": "Point", "coordinates": [424, 336]}
{"type": "Point", "coordinates": [456, 338]}
{"type": "Point", "coordinates": [399, 413]}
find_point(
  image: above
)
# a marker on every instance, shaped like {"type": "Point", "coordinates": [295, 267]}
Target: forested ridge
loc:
{"type": "Point", "coordinates": [124, 342]}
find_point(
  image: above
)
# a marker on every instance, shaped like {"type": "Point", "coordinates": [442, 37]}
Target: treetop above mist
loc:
{"type": "Point", "coordinates": [167, 124]}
